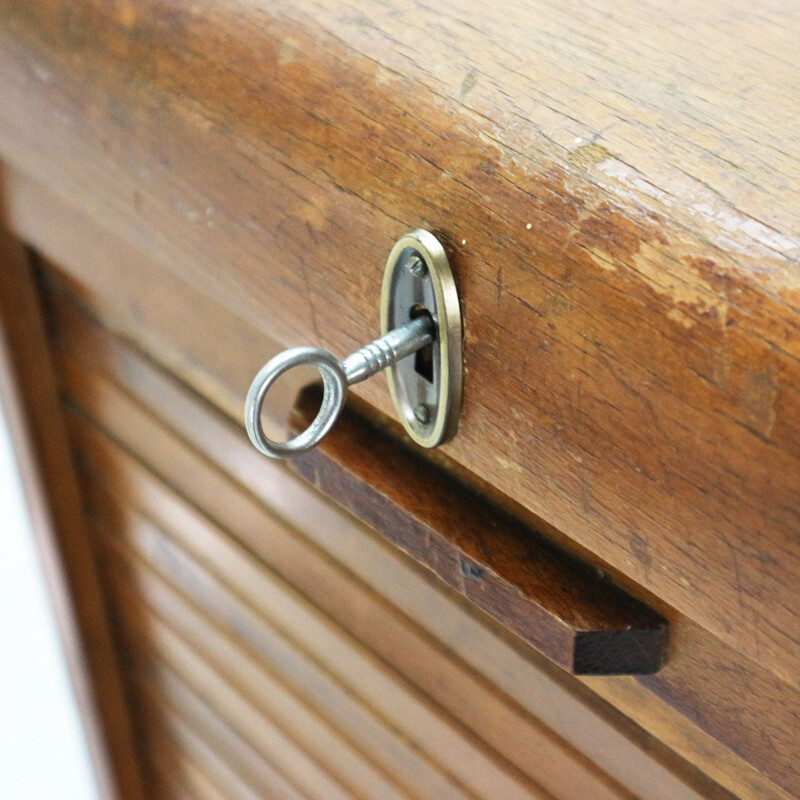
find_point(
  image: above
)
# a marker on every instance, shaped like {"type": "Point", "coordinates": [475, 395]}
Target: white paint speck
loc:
{"type": "Point", "coordinates": [463, 241]}
{"type": "Point", "coordinates": [578, 140]}
{"type": "Point", "coordinates": [529, 226]}
{"type": "Point", "coordinates": [42, 73]}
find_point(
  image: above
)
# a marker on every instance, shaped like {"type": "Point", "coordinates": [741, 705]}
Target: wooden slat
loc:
{"type": "Point", "coordinates": [35, 420]}
{"type": "Point", "coordinates": [308, 679]}
{"type": "Point", "coordinates": [174, 774]}
{"type": "Point", "coordinates": [222, 781]}
{"type": "Point", "coordinates": [186, 781]}
{"type": "Point", "coordinates": [229, 702]}
{"type": "Point", "coordinates": [190, 783]}
{"type": "Point", "coordinates": [239, 688]}
{"type": "Point", "coordinates": [167, 707]}
{"type": "Point", "coordinates": [228, 762]}
{"type": "Point", "coordinates": [376, 683]}
{"type": "Point", "coordinates": [697, 663]}
{"type": "Point", "coordinates": [255, 692]}
{"type": "Point", "coordinates": [632, 356]}
{"type": "Point", "coordinates": [329, 696]}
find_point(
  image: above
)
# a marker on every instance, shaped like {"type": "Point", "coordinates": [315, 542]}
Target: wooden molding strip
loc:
{"type": "Point", "coordinates": [567, 610]}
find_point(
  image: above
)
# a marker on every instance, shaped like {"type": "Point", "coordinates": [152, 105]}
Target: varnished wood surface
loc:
{"type": "Point", "coordinates": [720, 704]}
{"type": "Point", "coordinates": [618, 189]}
{"type": "Point", "coordinates": [571, 614]}
{"type": "Point", "coordinates": [32, 409]}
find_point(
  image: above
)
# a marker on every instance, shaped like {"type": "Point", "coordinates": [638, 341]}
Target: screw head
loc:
{"type": "Point", "coordinates": [416, 266]}
{"type": "Point", "coordinates": [422, 414]}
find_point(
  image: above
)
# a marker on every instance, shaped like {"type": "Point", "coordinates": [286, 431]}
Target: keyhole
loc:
{"type": "Point", "coordinates": [423, 359]}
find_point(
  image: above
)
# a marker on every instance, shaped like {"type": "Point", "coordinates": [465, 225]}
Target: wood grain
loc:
{"type": "Point", "coordinates": [31, 406]}
{"type": "Point", "coordinates": [705, 684]}
{"type": "Point", "coordinates": [566, 610]}
{"type": "Point", "coordinates": [171, 708]}
{"type": "Point", "coordinates": [267, 713]}
{"type": "Point", "coordinates": [632, 361]}
{"type": "Point", "coordinates": [169, 712]}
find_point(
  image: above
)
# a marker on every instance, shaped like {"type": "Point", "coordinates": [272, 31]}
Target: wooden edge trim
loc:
{"type": "Point", "coordinates": [567, 610]}
{"type": "Point", "coordinates": [30, 400]}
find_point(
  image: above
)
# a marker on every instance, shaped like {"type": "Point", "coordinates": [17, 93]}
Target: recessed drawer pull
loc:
{"type": "Point", "coordinates": [420, 317]}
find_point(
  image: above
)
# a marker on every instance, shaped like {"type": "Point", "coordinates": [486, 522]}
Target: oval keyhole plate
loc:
{"type": "Point", "coordinates": [426, 387]}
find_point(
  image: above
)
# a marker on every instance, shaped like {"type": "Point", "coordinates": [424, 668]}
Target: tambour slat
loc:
{"type": "Point", "coordinates": [242, 772]}
{"type": "Point", "coordinates": [227, 700]}
{"type": "Point", "coordinates": [181, 778]}
{"type": "Point", "coordinates": [168, 707]}
{"type": "Point", "coordinates": [382, 687]}
{"type": "Point", "coordinates": [195, 784]}
{"type": "Point", "coordinates": [386, 748]}
{"type": "Point", "coordinates": [260, 732]}
{"type": "Point", "coordinates": [252, 775]}
{"type": "Point", "coordinates": [208, 652]}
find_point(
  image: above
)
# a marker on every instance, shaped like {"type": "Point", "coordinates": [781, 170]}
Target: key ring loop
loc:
{"type": "Point", "coordinates": [334, 383]}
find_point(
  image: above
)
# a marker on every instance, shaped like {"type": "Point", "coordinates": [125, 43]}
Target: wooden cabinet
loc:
{"type": "Point", "coordinates": [190, 187]}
